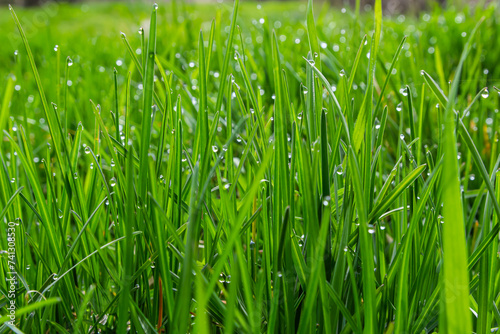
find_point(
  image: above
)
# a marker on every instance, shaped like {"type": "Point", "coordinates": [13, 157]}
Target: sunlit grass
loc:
{"type": "Point", "coordinates": [251, 168]}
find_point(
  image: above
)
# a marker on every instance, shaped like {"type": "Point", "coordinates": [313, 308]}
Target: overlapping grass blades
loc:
{"type": "Point", "coordinates": [257, 185]}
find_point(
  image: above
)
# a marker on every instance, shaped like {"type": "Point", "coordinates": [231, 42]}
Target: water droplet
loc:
{"type": "Point", "coordinates": [371, 230]}
{"type": "Point", "coordinates": [141, 31]}
{"type": "Point", "coordinates": [75, 176]}
{"type": "Point", "coordinates": [112, 163]}
{"type": "Point", "coordinates": [107, 202]}
{"type": "Point", "coordinates": [87, 149]}
{"type": "Point", "coordinates": [112, 182]}
{"type": "Point", "coordinates": [399, 107]}
{"type": "Point", "coordinates": [215, 149]}
{"type": "Point", "coordinates": [155, 6]}
{"type": "Point", "coordinates": [485, 93]}
{"type": "Point", "coordinates": [91, 165]}
{"type": "Point", "coordinates": [56, 47]}
{"type": "Point", "coordinates": [402, 136]}
{"type": "Point", "coordinates": [28, 267]}
{"type": "Point", "coordinates": [342, 72]}
{"type": "Point", "coordinates": [69, 61]}
{"type": "Point", "coordinates": [422, 72]}
{"type": "Point", "coordinates": [55, 277]}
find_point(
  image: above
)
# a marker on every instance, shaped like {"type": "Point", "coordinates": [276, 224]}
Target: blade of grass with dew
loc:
{"type": "Point", "coordinates": [455, 315]}
{"type": "Point", "coordinates": [366, 108]}
{"type": "Point", "coordinates": [148, 103]}
{"type": "Point", "coordinates": [366, 248]}
{"type": "Point", "coordinates": [227, 56]}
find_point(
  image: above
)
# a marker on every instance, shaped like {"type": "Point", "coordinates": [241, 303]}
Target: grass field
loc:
{"type": "Point", "coordinates": [249, 168]}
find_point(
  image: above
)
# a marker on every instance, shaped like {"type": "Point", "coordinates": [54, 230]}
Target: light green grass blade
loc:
{"type": "Point", "coordinates": [455, 315]}
{"type": "Point", "coordinates": [147, 109]}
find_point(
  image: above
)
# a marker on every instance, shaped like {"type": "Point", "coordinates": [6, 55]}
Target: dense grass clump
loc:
{"type": "Point", "coordinates": [271, 170]}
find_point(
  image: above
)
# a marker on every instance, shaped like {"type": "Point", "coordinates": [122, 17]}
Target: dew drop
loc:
{"type": "Point", "coordinates": [56, 47]}
{"type": "Point", "coordinates": [87, 149]}
{"type": "Point", "coordinates": [112, 182]}
{"type": "Point", "coordinates": [399, 107]}
{"type": "Point", "coordinates": [112, 163]}
{"type": "Point", "coordinates": [215, 149]}
{"type": "Point", "coordinates": [485, 93]}
{"type": "Point", "coordinates": [69, 61]}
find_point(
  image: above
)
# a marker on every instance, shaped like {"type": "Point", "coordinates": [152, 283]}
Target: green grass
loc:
{"type": "Point", "coordinates": [250, 167]}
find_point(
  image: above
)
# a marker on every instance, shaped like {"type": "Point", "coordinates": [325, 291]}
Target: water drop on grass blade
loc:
{"type": "Point", "coordinates": [485, 94]}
